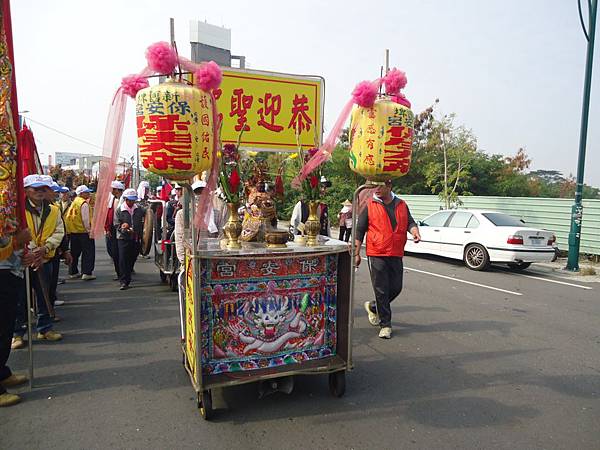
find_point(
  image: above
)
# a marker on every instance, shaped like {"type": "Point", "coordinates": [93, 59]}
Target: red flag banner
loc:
{"type": "Point", "coordinates": [11, 188]}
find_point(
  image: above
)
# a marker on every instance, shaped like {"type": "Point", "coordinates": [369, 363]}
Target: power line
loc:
{"type": "Point", "coordinates": [63, 133]}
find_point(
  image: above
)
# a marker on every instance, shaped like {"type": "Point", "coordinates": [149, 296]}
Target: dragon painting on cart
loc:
{"type": "Point", "coordinates": [259, 313]}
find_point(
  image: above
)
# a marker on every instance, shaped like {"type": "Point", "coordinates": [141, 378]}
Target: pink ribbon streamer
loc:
{"type": "Point", "coordinates": [110, 156]}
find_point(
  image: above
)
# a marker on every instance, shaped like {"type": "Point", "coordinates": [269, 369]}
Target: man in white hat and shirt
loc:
{"type": "Point", "coordinates": [110, 224]}
{"type": "Point", "coordinates": [78, 225]}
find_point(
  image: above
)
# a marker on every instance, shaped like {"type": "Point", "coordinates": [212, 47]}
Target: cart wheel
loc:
{"type": "Point", "coordinates": [163, 276]}
{"type": "Point", "coordinates": [337, 383]}
{"type": "Point", "coordinates": [173, 283]}
{"type": "Point", "coordinates": [205, 404]}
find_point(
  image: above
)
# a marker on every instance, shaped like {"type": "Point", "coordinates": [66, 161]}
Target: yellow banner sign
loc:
{"type": "Point", "coordinates": [190, 316]}
{"type": "Point", "coordinates": [270, 108]}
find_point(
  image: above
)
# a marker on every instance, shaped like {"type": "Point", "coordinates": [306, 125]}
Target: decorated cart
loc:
{"type": "Point", "coordinates": [257, 314]}
{"type": "Point", "coordinates": [255, 307]}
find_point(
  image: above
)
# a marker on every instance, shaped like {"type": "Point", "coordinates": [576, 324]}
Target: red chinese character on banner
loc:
{"type": "Point", "coordinates": [164, 161]}
{"type": "Point", "coordinates": [370, 143]}
{"type": "Point", "coordinates": [168, 136]}
{"type": "Point", "coordinates": [205, 137]}
{"type": "Point", "coordinates": [398, 156]}
{"type": "Point", "coordinates": [300, 119]}
{"type": "Point", "coordinates": [162, 123]}
{"type": "Point", "coordinates": [240, 104]}
{"type": "Point", "coordinates": [371, 113]}
{"type": "Point", "coordinates": [271, 107]}
{"type": "Point", "coordinates": [371, 129]}
{"type": "Point", "coordinates": [369, 160]}
{"type": "Point", "coordinates": [204, 120]}
{"type": "Point", "coordinates": [400, 137]}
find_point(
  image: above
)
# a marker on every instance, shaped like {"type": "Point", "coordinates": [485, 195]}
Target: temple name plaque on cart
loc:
{"type": "Point", "coordinates": [267, 312]}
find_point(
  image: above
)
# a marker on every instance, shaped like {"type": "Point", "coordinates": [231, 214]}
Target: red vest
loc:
{"type": "Point", "coordinates": [381, 239]}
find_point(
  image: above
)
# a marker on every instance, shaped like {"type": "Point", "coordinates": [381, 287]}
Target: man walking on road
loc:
{"type": "Point", "coordinates": [111, 222]}
{"type": "Point", "coordinates": [78, 223]}
{"type": "Point", "coordinates": [386, 221]}
{"type": "Point", "coordinates": [129, 232]}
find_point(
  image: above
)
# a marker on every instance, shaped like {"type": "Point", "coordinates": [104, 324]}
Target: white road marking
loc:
{"type": "Point", "coordinates": [463, 281]}
{"type": "Point", "coordinates": [553, 281]}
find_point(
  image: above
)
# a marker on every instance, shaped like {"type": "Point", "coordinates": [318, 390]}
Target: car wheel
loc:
{"type": "Point", "coordinates": [476, 257]}
{"type": "Point", "coordinates": [519, 266]}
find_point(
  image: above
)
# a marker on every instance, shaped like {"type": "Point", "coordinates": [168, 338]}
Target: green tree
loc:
{"type": "Point", "coordinates": [450, 149]}
{"type": "Point", "coordinates": [153, 179]}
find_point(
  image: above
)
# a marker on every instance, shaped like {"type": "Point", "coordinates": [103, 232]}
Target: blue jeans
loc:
{"type": "Point", "coordinates": [44, 321]}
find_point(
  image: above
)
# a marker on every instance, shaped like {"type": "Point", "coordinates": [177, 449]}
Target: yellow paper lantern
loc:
{"type": "Point", "coordinates": [175, 130]}
{"type": "Point", "coordinates": [381, 140]}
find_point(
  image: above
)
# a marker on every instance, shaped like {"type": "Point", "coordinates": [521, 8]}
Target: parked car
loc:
{"type": "Point", "coordinates": [481, 237]}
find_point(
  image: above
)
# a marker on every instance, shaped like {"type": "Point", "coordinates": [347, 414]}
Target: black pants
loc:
{"type": "Point", "coordinates": [82, 245]}
{"type": "Point", "coordinates": [8, 308]}
{"type": "Point", "coordinates": [345, 233]}
{"type": "Point", "coordinates": [113, 251]}
{"type": "Point", "coordinates": [386, 278]}
{"type": "Point", "coordinates": [128, 251]}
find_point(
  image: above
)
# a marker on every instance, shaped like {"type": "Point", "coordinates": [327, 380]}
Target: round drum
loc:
{"type": "Point", "coordinates": [148, 232]}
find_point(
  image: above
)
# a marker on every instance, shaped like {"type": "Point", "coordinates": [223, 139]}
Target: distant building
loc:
{"type": "Point", "coordinates": [68, 158]}
{"type": "Point", "coordinates": [212, 43]}
{"type": "Point", "coordinates": [79, 162]}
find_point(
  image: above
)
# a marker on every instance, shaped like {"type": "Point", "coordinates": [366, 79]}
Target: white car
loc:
{"type": "Point", "coordinates": [480, 237]}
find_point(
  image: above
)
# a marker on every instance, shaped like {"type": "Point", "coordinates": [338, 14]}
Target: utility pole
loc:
{"type": "Point", "coordinates": [577, 208]}
{"type": "Point", "coordinates": [172, 25]}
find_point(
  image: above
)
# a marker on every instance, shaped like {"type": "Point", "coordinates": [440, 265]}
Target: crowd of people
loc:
{"type": "Point", "coordinates": [58, 224]}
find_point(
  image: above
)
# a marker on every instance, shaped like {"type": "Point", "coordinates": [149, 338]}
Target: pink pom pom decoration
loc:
{"type": "Point", "coordinates": [161, 58]}
{"type": "Point", "coordinates": [208, 76]}
{"type": "Point", "coordinates": [394, 81]}
{"type": "Point", "coordinates": [132, 84]}
{"type": "Point", "coordinates": [365, 93]}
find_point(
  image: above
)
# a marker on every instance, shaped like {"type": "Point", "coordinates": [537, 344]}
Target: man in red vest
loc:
{"type": "Point", "coordinates": [386, 221]}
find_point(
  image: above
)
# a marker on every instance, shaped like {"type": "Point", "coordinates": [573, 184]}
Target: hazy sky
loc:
{"type": "Point", "coordinates": [511, 70]}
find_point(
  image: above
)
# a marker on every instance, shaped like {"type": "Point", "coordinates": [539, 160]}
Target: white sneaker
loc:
{"type": "Point", "coordinates": [373, 318]}
{"type": "Point", "coordinates": [59, 302]}
{"type": "Point", "coordinates": [88, 277]}
{"type": "Point", "coordinates": [385, 333]}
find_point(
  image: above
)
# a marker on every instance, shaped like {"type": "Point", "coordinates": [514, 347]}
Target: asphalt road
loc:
{"type": "Point", "coordinates": [510, 362]}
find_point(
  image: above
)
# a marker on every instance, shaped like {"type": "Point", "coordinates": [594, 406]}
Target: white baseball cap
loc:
{"type": "Point", "coordinates": [82, 189]}
{"type": "Point", "coordinates": [130, 194]}
{"type": "Point", "coordinates": [116, 184]}
{"type": "Point", "coordinates": [38, 181]}
{"type": "Point", "coordinates": [198, 184]}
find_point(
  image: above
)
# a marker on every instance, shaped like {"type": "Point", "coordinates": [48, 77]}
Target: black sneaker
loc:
{"type": "Point", "coordinates": [124, 287]}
